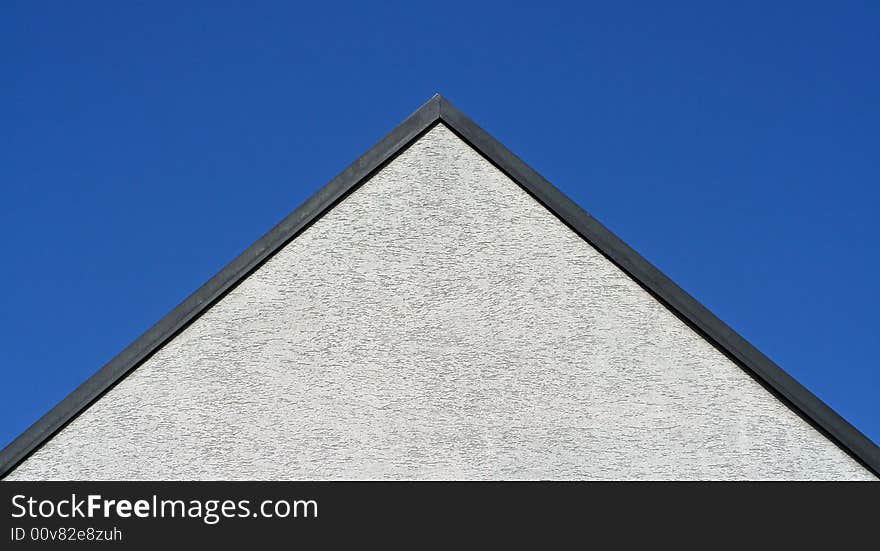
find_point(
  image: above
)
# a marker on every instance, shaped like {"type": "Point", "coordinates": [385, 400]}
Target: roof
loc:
{"type": "Point", "coordinates": [436, 111]}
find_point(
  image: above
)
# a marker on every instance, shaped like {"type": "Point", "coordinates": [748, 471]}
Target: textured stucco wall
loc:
{"type": "Point", "coordinates": [439, 323]}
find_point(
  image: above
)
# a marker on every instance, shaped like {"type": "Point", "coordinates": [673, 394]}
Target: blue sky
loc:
{"type": "Point", "coordinates": [143, 146]}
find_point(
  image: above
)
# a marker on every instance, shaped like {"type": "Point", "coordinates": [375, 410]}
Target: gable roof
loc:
{"type": "Point", "coordinates": [436, 111]}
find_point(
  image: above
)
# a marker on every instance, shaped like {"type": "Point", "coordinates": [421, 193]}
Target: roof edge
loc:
{"type": "Point", "coordinates": [221, 283]}
{"type": "Point", "coordinates": [803, 402]}
{"type": "Point", "coordinates": [439, 109]}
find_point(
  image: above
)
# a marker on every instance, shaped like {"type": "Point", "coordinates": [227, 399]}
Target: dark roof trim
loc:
{"type": "Point", "coordinates": [437, 110]}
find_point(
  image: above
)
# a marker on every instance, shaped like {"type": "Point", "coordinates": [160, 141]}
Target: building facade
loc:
{"type": "Point", "coordinates": [439, 311]}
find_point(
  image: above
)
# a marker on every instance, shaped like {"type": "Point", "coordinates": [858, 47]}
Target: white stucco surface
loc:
{"type": "Point", "coordinates": [439, 324]}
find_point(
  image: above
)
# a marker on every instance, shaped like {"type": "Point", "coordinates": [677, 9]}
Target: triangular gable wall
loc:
{"type": "Point", "coordinates": [423, 124]}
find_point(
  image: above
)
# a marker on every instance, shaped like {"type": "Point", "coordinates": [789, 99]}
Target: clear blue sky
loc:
{"type": "Point", "coordinates": [143, 146]}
